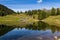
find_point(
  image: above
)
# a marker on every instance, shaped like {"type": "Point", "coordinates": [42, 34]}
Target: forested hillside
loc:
{"type": "Point", "coordinates": [5, 10]}
{"type": "Point", "coordinates": [42, 13]}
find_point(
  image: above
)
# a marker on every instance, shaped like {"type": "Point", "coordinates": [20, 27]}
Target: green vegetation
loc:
{"type": "Point", "coordinates": [42, 14]}
{"type": "Point", "coordinates": [8, 15]}
{"type": "Point", "coordinates": [53, 20]}
{"type": "Point", "coordinates": [17, 19]}
{"type": "Point", "coordinates": [5, 11]}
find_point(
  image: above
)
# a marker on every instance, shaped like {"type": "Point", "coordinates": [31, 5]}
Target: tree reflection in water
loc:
{"type": "Point", "coordinates": [4, 29]}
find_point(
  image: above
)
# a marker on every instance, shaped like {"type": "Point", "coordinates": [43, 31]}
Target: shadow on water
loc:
{"type": "Point", "coordinates": [33, 31]}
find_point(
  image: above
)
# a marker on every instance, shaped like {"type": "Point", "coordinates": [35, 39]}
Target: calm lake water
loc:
{"type": "Point", "coordinates": [34, 31]}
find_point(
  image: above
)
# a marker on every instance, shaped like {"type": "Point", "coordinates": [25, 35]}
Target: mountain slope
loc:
{"type": "Point", "coordinates": [5, 10]}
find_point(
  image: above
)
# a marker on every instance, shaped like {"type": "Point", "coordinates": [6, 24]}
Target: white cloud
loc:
{"type": "Point", "coordinates": [39, 1]}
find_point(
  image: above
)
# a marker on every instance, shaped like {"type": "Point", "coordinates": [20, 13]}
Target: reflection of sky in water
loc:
{"type": "Point", "coordinates": [20, 33]}
{"type": "Point", "coordinates": [41, 32]}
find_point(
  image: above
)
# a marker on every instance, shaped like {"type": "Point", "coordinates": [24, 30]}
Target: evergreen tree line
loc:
{"type": "Point", "coordinates": [5, 10]}
{"type": "Point", "coordinates": [41, 13]}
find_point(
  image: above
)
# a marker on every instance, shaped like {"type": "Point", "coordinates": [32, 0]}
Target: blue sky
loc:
{"type": "Point", "coordinates": [23, 5]}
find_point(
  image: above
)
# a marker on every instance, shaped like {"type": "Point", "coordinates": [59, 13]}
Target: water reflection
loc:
{"type": "Point", "coordinates": [36, 31]}
{"type": "Point", "coordinates": [5, 29]}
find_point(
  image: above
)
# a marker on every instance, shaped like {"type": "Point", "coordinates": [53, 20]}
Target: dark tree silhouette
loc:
{"type": "Point", "coordinates": [5, 11]}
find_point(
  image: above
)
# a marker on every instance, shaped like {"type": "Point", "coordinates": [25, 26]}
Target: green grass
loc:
{"type": "Point", "coordinates": [16, 19]}
{"type": "Point", "coordinates": [53, 20]}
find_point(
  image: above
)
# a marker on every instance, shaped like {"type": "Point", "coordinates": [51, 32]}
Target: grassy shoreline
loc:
{"type": "Point", "coordinates": [17, 19]}
{"type": "Point", "coordinates": [22, 18]}
{"type": "Point", "coordinates": [53, 20]}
